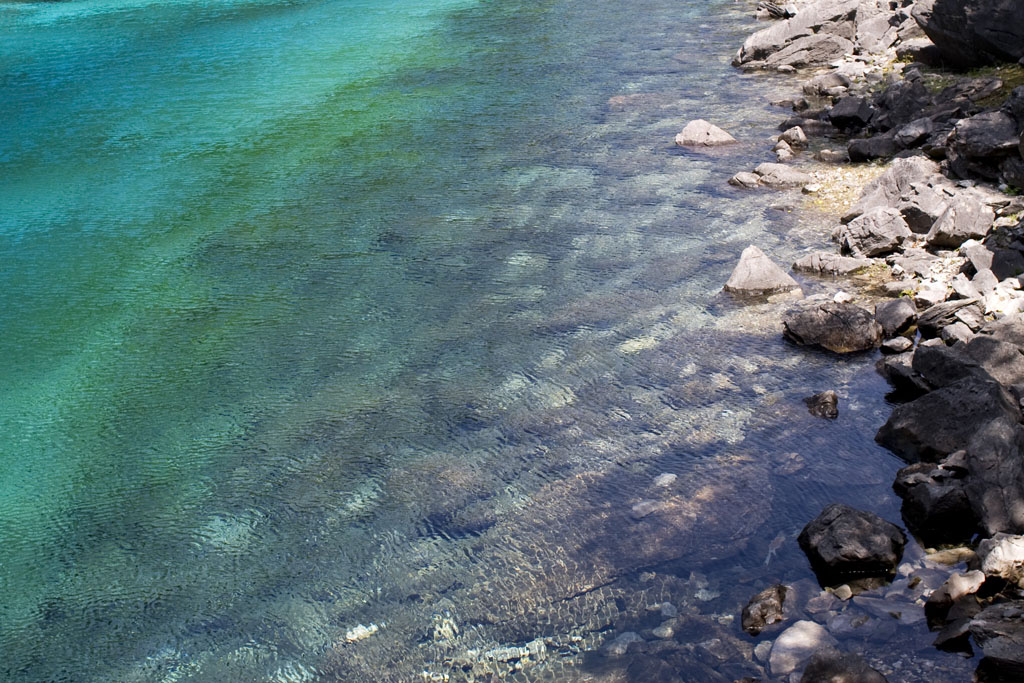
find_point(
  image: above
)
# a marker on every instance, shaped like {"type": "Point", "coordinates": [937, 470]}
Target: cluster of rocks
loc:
{"type": "Point", "coordinates": [941, 224]}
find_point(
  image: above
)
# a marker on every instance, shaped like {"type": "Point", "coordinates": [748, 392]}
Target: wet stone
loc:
{"type": "Point", "coordinates": [825, 404]}
{"type": "Point", "coordinates": [796, 645]}
{"type": "Point", "coordinates": [764, 609]}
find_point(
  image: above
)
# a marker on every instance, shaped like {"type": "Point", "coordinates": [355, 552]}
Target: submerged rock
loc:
{"type": "Point", "coordinates": [831, 666]}
{"type": "Point", "coordinates": [764, 609]}
{"type": "Point", "coordinates": [825, 404]}
{"type": "Point", "coordinates": [757, 275]}
{"type": "Point", "coordinates": [845, 543]}
{"type": "Point", "coordinates": [796, 645]}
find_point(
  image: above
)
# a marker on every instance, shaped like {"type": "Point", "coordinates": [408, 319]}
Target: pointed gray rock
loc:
{"type": "Point", "coordinates": [700, 133]}
{"type": "Point", "coordinates": [757, 275]}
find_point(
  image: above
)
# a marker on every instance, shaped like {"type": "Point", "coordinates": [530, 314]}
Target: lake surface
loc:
{"type": "Point", "coordinates": [339, 339]}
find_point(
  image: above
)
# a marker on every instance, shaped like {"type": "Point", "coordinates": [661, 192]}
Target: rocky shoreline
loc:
{"type": "Point", "coordinates": [941, 231]}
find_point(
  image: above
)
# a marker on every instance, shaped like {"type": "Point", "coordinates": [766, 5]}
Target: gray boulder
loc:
{"type": "Point", "coordinates": [700, 133]}
{"type": "Point", "coordinates": [781, 176]}
{"type": "Point", "coordinates": [995, 481]}
{"type": "Point", "coordinates": [758, 275]}
{"type": "Point", "coordinates": [941, 315]}
{"type": "Point", "coordinates": [764, 609]}
{"type": "Point", "coordinates": [966, 217]}
{"type": "Point", "coordinates": [807, 22]}
{"type": "Point", "coordinates": [896, 316]}
{"type": "Point", "coordinates": [829, 263]}
{"type": "Point", "coordinates": [844, 543]}
{"type": "Point", "coordinates": [842, 328]}
{"type": "Point", "coordinates": [975, 32]}
{"type": "Point", "coordinates": [877, 232]}
{"type": "Point", "coordinates": [886, 189]}
{"type": "Point", "coordinates": [831, 666]}
{"type": "Point", "coordinates": [942, 421]}
{"type": "Point", "coordinates": [814, 50]}
{"type": "Point", "coordinates": [924, 202]}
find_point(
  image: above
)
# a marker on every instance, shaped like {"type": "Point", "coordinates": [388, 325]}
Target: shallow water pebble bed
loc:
{"type": "Point", "coordinates": [354, 340]}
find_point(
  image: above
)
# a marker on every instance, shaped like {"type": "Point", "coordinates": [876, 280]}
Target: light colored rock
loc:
{"type": "Point", "coordinates": [756, 274]}
{"type": "Point", "coordinates": [796, 644]}
{"type": "Point", "coordinates": [700, 133]}
{"type": "Point", "coordinates": [877, 232]}
{"type": "Point", "coordinates": [795, 137]}
{"type": "Point", "coordinates": [930, 294]}
{"type": "Point", "coordinates": [829, 263]}
{"type": "Point", "coordinates": [745, 179]}
{"type": "Point", "coordinates": [1003, 556]}
{"type": "Point", "coordinates": [782, 176]}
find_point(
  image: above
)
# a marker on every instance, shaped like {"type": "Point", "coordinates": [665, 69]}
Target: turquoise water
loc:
{"type": "Point", "coordinates": [325, 314]}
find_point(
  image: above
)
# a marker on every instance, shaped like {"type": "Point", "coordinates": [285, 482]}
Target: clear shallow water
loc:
{"type": "Point", "coordinates": [319, 314]}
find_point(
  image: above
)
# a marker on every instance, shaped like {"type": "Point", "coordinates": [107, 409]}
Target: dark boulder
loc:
{"type": "Point", "coordinates": [975, 32]}
{"type": "Point", "coordinates": [764, 609]}
{"type": "Point", "coordinates": [999, 632]}
{"type": "Point", "coordinates": [995, 479]}
{"type": "Point", "coordinates": [825, 404]}
{"type": "Point", "coordinates": [935, 504]}
{"type": "Point", "coordinates": [843, 543]}
{"type": "Point", "coordinates": [939, 365]}
{"type": "Point", "coordinates": [842, 328]}
{"type": "Point", "coordinates": [942, 421]}
{"type": "Point", "coordinates": [851, 113]}
{"type": "Point", "coordinates": [876, 147]}
{"type": "Point", "coordinates": [899, 104]}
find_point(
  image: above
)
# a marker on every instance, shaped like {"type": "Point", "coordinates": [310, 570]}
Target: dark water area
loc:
{"type": "Point", "coordinates": [342, 339]}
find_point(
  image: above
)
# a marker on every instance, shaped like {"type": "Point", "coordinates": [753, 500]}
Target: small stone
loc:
{"type": "Point", "coordinates": [958, 332]}
{"type": "Point", "coordinates": [812, 188]}
{"type": "Point", "coordinates": [843, 298]}
{"type": "Point", "coordinates": [843, 592]}
{"type": "Point", "coordinates": [795, 137]}
{"type": "Point", "coordinates": [764, 609]}
{"type": "Point", "coordinates": [897, 345]}
{"type": "Point", "coordinates": [763, 650]}
{"type": "Point", "coordinates": [666, 630]}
